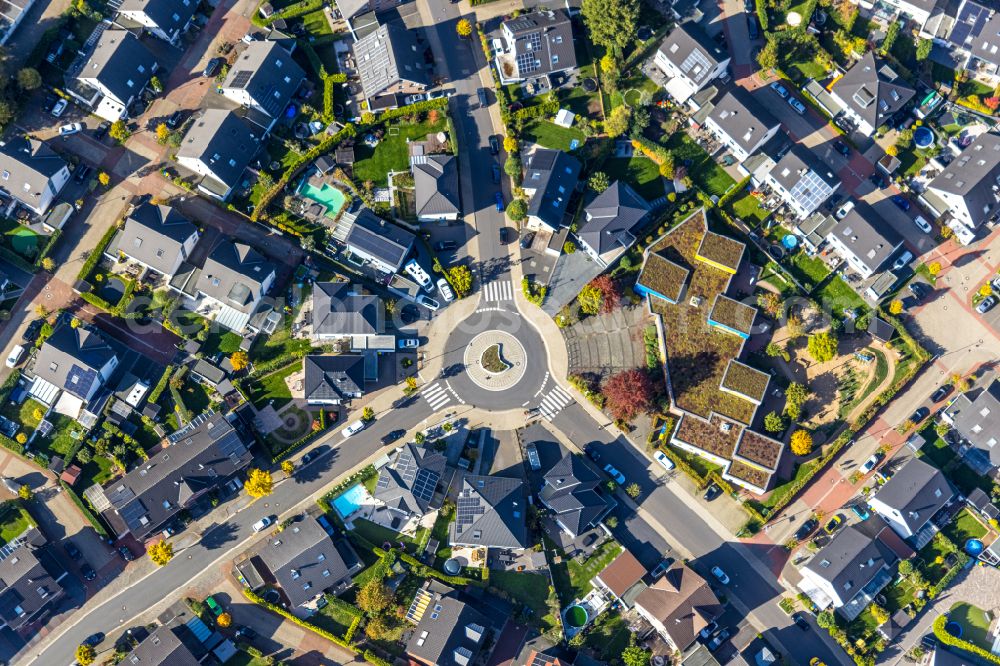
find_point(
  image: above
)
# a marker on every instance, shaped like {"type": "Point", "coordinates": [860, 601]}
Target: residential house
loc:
{"type": "Point", "coordinates": [351, 9]}
{"type": "Point", "coordinates": [864, 241]}
{"type": "Point", "coordinates": [161, 648]}
{"type": "Point", "coordinates": [537, 44]}
{"type": "Point", "coordinates": [618, 577]}
{"type": "Point", "coordinates": [981, 40]}
{"type": "Point", "coordinates": [740, 123]}
{"type": "Point", "coordinates": [679, 605]}
{"type": "Point", "coordinates": [166, 19]}
{"type": "Point", "coordinates": [390, 64]}
{"type": "Point", "coordinates": [203, 456]}
{"type": "Point", "coordinates": [870, 94]}
{"type": "Point", "coordinates": [690, 60]}
{"type": "Point", "coordinates": [30, 583]}
{"type": "Point", "coordinates": [813, 231]}
{"type": "Point", "coordinates": [970, 185]}
{"type": "Point", "coordinates": [611, 223]}
{"type": "Point", "coordinates": [158, 237]}
{"type": "Point", "coordinates": [371, 239]}
{"type": "Point", "coordinates": [975, 415]}
{"type": "Point", "coordinates": [338, 312]}
{"type": "Point", "coordinates": [550, 177]}
{"type": "Point", "coordinates": [70, 367]}
{"type": "Point", "coordinates": [116, 73]}
{"type": "Point", "coordinates": [448, 632]}
{"type": "Point", "coordinates": [31, 173]}
{"type": "Point", "coordinates": [802, 181]}
{"type": "Point", "coordinates": [572, 492]}
{"type": "Point", "coordinates": [917, 10]}
{"type": "Point", "coordinates": [406, 487]}
{"type": "Point", "coordinates": [305, 562]}
{"type": "Point", "coordinates": [943, 656]}
{"type": "Point", "coordinates": [219, 147]}
{"type": "Point", "coordinates": [911, 497]}
{"type": "Point", "coordinates": [435, 187]}
{"type": "Point", "coordinates": [233, 281]}
{"type": "Point", "coordinates": [491, 512]}
{"type": "Point", "coordinates": [333, 379]}
{"type": "Point", "coordinates": [264, 78]}
{"type": "Point", "coordinates": [848, 572]}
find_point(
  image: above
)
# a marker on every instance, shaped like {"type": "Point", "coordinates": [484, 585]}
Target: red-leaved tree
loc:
{"type": "Point", "coordinates": [629, 393]}
{"type": "Point", "coordinates": [609, 292]}
{"type": "Point", "coordinates": [992, 103]}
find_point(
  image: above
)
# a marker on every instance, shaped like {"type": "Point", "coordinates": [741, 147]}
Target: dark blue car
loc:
{"type": "Point", "coordinates": [499, 200]}
{"type": "Point", "coordinates": [901, 201]}
{"type": "Point", "coordinates": [496, 174]}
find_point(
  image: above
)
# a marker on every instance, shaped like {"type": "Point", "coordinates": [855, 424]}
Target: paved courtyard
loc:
{"type": "Point", "coordinates": [607, 343]}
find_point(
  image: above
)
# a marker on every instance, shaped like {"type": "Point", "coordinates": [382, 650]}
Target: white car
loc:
{"type": "Point", "coordinates": [353, 429]}
{"type": "Point", "coordinates": [72, 128]}
{"type": "Point", "coordinates": [427, 302]}
{"type": "Point", "coordinates": [59, 108]}
{"type": "Point", "coordinates": [923, 224]}
{"type": "Point", "coordinates": [844, 210]}
{"type": "Point", "coordinates": [799, 107]}
{"type": "Point", "coordinates": [662, 458]}
{"type": "Point", "coordinates": [417, 272]}
{"type": "Point", "coordinates": [262, 524]}
{"type": "Point", "coordinates": [445, 289]}
{"type": "Point", "coordinates": [15, 356]}
{"type": "Point", "coordinates": [869, 464]}
{"type": "Point", "coordinates": [903, 260]}
{"type": "Point", "coordinates": [720, 575]}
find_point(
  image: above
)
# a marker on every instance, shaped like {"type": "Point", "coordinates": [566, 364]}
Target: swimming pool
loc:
{"type": "Point", "coordinates": [328, 196]}
{"type": "Point", "coordinates": [350, 501]}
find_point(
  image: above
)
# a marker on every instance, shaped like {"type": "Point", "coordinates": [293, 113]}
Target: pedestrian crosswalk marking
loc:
{"type": "Point", "coordinates": [498, 290]}
{"type": "Point", "coordinates": [437, 396]}
{"type": "Point", "coordinates": [554, 402]}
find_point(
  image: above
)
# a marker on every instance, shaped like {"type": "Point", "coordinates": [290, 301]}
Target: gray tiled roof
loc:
{"type": "Point", "coordinates": [450, 632]}
{"type": "Point", "coordinates": [742, 118]}
{"type": "Point", "coordinates": [27, 165]}
{"type": "Point", "coordinates": [72, 358]}
{"type": "Point", "coordinates": [435, 181]}
{"type": "Point", "coordinates": [543, 42]}
{"type": "Point", "coordinates": [851, 558]}
{"type": "Point", "coordinates": [874, 91]}
{"type": "Point", "coordinates": [337, 310]}
{"type": "Point", "coordinates": [28, 581]}
{"type": "Point", "coordinates": [692, 52]}
{"type": "Point", "coordinates": [121, 63]}
{"type": "Point", "coordinates": [161, 648]}
{"type": "Point", "coordinates": [612, 218]}
{"type": "Point", "coordinates": [407, 484]}
{"type": "Point", "coordinates": [553, 175]}
{"type": "Point", "coordinates": [977, 419]}
{"type": "Point", "coordinates": [376, 237]}
{"type": "Point", "coordinates": [351, 8]}
{"type": "Point", "coordinates": [388, 55]}
{"type": "Point", "coordinates": [223, 142]}
{"type": "Point", "coordinates": [571, 492]}
{"type": "Point", "coordinates": [168, 15]}
{"type": "Point", "coordinates": [917, 491]}
{"type": "Point", "coordinates": [234, 274]}
{"type": "Point", "coordinates": [337, 377]}
{"type": "Point", "coordinates": [491, 511]}
{"type": "Point", "coordinates": [986, 45]}
{"type": "Point", "coordinates": [870, 239]}
{"type": "Point", "coordinates": [155, 235]}
{"type": "Point", "coordinates": [266, 71]}
{"type": "Point", "coordinates": [973, 175]}
{"type": "Point", "coordinates": [807, 178]}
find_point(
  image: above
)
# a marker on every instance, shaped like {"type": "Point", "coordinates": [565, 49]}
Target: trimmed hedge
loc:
{"type": "Point", "coordinates": [85, 510]}
{"type": "Point", "coordinates": [947, 639]}
{"type": "Point", "coordinates": [97, 253]}
{"type": "Point", "coordinates": [154, 396]}
{"type": "Point", "coordinates": [291, 11]}
{"type": "Point", "coordinates": [443, 577]}
{"type": "Point", "coordinates": [294, 620]}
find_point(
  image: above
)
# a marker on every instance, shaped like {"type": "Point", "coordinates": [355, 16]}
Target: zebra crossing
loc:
{"type": "Point", "coordinates": [437, 395]}
{"type": "Point", "coordinates": [498, 290]}
{"type": "Point", "coordinates": [553, 402]}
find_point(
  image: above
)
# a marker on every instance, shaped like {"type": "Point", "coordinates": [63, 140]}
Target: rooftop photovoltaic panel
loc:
{"type": "Point", "coordinates": [80, 380]}
{"type": "Point", "coordinates": [969, 23]}
{"type": "Point", "coordinates": [696, 65]}
{"type": "Point", "coordinates": [534, 41]}
{"type": "Point", "coordinates": [242, 78]}
{"type": "Point", "coordinates": [468, 509]}
{"type": "Point", "coordinates": [375, 245]}
{"type": "Point", "coordinates": [811, 190]}
{"type": "Point", "coordinates": [132, 513]}
{"type": "Point", "coordinates": [383, 482]}
{"type": "Point", "coordinates": [527, 63]}
{"type": "Point", "coordinates": [423, 487]}
{"type": "Point", "coordinates": [406, 467]}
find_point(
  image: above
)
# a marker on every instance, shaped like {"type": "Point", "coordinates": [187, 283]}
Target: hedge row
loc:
{"type": "Point", "coordinates": [49, 244]}
{"type": "Point", "coordinates": [157, 391]}
{"type": "Point", "coordinates": [278, 456]}
{"type": "Point", "coordinates": [946, 638]}
{"type": "Point", "coordinates": [278, 363]}
{"type": "Point", "coordinates": [291, 11]}
{"type": "Point", "coordinates": [16, 259]}
{"type": "Point", "coordinates": [294, 620]}
{"type": "Point", "coordinates": [85, 510]}
{"type": "Point", "coordinates": [762, 15]}
{"type": "Point", "coordinates": [546, 109]}
{"type": "Point", "coordinates": [96, 253]}
{"type": "Point", "coordinates": [654, 151]}
{"type": "Point", "coordinates": [731, 193]}
{"type": "Point", "coordinates": [443, 577]}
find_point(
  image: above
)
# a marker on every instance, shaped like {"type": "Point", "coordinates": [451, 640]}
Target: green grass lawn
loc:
{"type": "Point", "coordinates": [23, 414]}
{"type": "Point", "coordinates": [839, 296]}
{"type": "Point", "coordinates": [898, 595]}
{"type": "Point", "coordinates": [975, 624]}
{"type": "Point", "coordinates": [963, 527]}
{"type": "Point", "coordinates": [316, 24]}
{"type": "Point", "coordinates": [708, 175]}
{"type": "Point", "coordinates": [335, 617]}
{"type": "Point", "coordinates": [195, 396]}
{"type": "Point", "coordinates": [273, 387]}
{"type": "Point", "coordinates": [808, 270]}
{"type": "Point", "coordinates": [640, 172]}
{"type": "Point", "coordinates": [391, 152]}
{"type": "Point", "coordinates": [748, 209]}
{"type": "Point", "coordinates": [242, 658]}
{"type": "Point", "coordinates": [608, 637]}
{"type": "Point", "coordinates": [550, 135]}
{"type": "Point", "coordinates": [20, 238]}
{"type": "Point", "coordinates": [13, 521]}
{"type": "Point", "coordinates": [572, 577]}
{"type": "Point", "coordinates": [99, 470]}
{"type": "Point", "coordinates": [61, 439]}
{"type": "Point", "coordinates": [530, 589]}
{"type": "Point", "coordinates": [936, 450]}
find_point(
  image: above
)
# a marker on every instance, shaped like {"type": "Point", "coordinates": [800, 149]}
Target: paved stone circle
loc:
{"type": "Point", "coordinates": [511, 351]}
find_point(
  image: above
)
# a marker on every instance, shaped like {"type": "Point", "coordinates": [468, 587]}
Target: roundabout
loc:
{"type": "Point", "coordinates": [494, 360]}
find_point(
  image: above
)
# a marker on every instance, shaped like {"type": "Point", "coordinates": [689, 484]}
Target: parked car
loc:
{"type": "Point", "coordinates": [832, 525]}
{"type": "Point", "coordinates": [878, 180]}
{"type": "Point", "coordinates": [919, 415]}
{"type": "Point", "coordinates": [986, 304]}
{"type": "Point", "coordinates": [102, 130]}
{"type": "Point", "coordinates": [923, 224]}
{"type": "Point", "coordinates": [496, 174]}
{"type": "Point", "coordinates": [799, 107]}
{"type": "Point", "coordinates": [31, 332]}
{"type": "Point", "coordinates": [753, 28]}
{"type": "Point", "coordinates": [212, 68]}
{"type": "Point", "coordinates": [94, 639]}
{"type": "Point", "coordinates": [805, 529]}
{"type": "Point", "coordinates": [527, 240]}
{"type": "Point", "coordinates": [712, 492]}
{"type": "Point", "coordinates": [800, 621]}
{"type": "Point", "coordinates": [662, 458]}
{"type": "Point", "coordinates": [176, 118]}
{"type": "Point", "coordinates": [59, 108]}
{"type": "Point", "coordinates": [15, 356]}
{"type": "Point", "coordinates": [417, 272]}
{"type": "Point", "coordinates": [503, 235]}
{"type": "Point", "coordinates": [484, 99]}
{"type": "Point", "coordinates": [428, 302]}
{"type": "Point", "coordinates": [391, 437]}
{"type": "Point", "coordinates": [748, 6]}
{"type": "Point", "coordinates": [262, 524]}
{"type": "Point", "coordinates": [942, 393]}
{"type": "Point", "coordinates": [214, 605]}
{"type": "Point", "coordinates": [861, 512]}
{"type": "Point", "coordinates": [246, 633]}
{"type": "Point", "coordinates": [408, 343]}
{"type": "Point", "coordinates": [661, 568]}
{"type": "Point", "coordinates": [445, 290]}
{"type": "Point", "coordinates": [71, 550]}
{"type": "Point", "coordinates": [499, 200]}
{"type": "Point", "coordinates": [929, 642]}
{"type": "Point", "coordinates": [353, 429]}
{"type": "Point", "coordinates": [81, 173]}
{"type": "Point", "coordinates": [709, 629]}
{"type": "Point", "coordinates": [615, 474]}
{"type": "Point", "coordinates": [720, 575]}
{"type": "Point", "coordinates": [903, 260]}
{"type": "Point", "coordinates": [844, 210]}
{"type": "Point", "coordinates": [494, 144]}
{"type": "Point", "coordinates": [842, 148]}
{"type": "Point", "coordinates": [593, 453]}
{"type": "Point", "coordinates": [71, 128]}
{"type": "Point", "coordinates": [902, 202]}
{"type": "Point", "coordinates": [919, 290]}
{"type": "Point", "coordinates": [718, 640]}
{"type": "Point", "coordinates": [869, 464]}
{"type": "Point", "coordinates": [780, 89]}
{"type": "Point", "coordinates": [87, 571]}
{"type": "Point", "coordinates": [445, 246]}
{"type": "Point", "coordinates": [125, 553]}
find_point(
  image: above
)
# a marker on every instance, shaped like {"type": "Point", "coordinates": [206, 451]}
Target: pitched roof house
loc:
{"type": "Point", "coordinates": [119, 68]}
{"type": "Point", "coordinates": [848, 572]}
{"type": "Point", "coordinates": [30, 583]}
{"type": "Point", "coordinates": [572, 493]}
{"type": "Point", "coordinates": [264, 78]}
{"type": "Point", "coordinates": [236, 277]}
{"type": "Point", "coordinates": [406, 486]}
{"type": "Point", "coordinates": [690, 60]}
{"type": "Point", "coordinates": [31, 172]}
{"type": "Point", "coordinates": [161, 648]}
{"type": "Point", "coordinates": [870, 93]}
{"type": "Point", "coordinates": [158, 237]}
{"type": "Point", "coordinates": [339, 312]}
{"type": "Point", "coordinates": [166, 19]}
{"type": "Point", "coordinates": [538, 43]}
{"type": "Point", "coordinates": [350, 9]}
{"type": "Point", "coordinates": [370, 238]}
{"type": "Point", "coordinates": [613, 219]}
{"type": "Point", "coordinates": [619, 576]}
{"type": "Point", "coordinates": [802, 181]}
{"type": "Point", "coordinates": [219, 147]}
{"type": "Point", "coordinates": [550, 176]}
{"type": "Point", "coordinates": [492, 512]}
{"type": "Point", "coordinates": [679, 605]}
{"type": "Point", "coordinates": [910, 499]}
{"type": "Point", "coordinates": [741, 123]}
{"type": "Point", "coordinates": [865, 241]}
{"type": "Point", "coordinates": [449, 632]}
{"type": "Point", "coordinates": [967, 184]}
{"type": "Point", "coordinates": [333, 379]}
{"type": "Point", "coordinates": [200, 457]}
{"type": "Point", "coordinates": [975, 415]}
{"type": "Point", "coordinates": [389, 61]}
{"type": "Point", "coordinates": [77, 361]}
{"type": "Point", "coordinates": [435, 184]}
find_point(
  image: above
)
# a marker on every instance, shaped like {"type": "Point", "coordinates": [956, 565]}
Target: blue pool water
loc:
{"type": "Point", "coordinates": [349, 501]}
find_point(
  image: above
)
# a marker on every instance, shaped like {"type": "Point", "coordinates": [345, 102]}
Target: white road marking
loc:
{"type": "Point", "coordinates": [498, 291]}
{"type": "Point", "coordinates": [436, 395]}
{"type": "Point", "coordinates": [554, 402]}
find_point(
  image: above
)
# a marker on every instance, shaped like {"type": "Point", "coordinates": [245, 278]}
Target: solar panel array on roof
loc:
{"type": "Point", "coordinates": [969, 23]}
{"type": "Point", "coordinates": [811, 190]}
{"type": "Point", "coordinates": [426, 483]}
{"type": "Point", "coordinates": [242, 78]}
{"type": "Point", "coordinates": [696, 65]}
{"type": "Point", "coordinates": [468, 509]}
{"type": "Point", "coordinates": [527, 63]}
{"type": "Point", "coordinates": [79, 380]}
{"type": "Point", "coordinates": [133, 514]}
{"type": "Point", "coordinates": [534, 41]}
{"type": "Point", "coordinates": [406, 466]}
{"type": "Point", "coordinates": [375, 245]}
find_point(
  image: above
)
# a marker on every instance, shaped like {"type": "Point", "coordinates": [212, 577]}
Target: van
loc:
{"type": "Point", "coordinates": [353, 428]}
{"type": "Point", "coordinates": [15, 356]}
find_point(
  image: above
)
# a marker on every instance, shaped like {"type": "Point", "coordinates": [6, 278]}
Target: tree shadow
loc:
{"type": "Point", "coordinates": [219, 535]}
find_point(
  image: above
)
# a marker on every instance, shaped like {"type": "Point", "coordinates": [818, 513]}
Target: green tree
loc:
{"type": "Point", "coordinates": [612, 23]}
{"type": "Point", "coordinates": [258, 483]}
{"type": "Point", "coordinates": [633, 490]}
{"type": "Point", "coordinates": [825, 620]}
{"type": "Point", "coordinates": [636, 656]}
{"type": "Point", "coordinates": [906, 568]}
{"type": "Point", "coordinates": [611, 522]}
{"type": "Point", "coordinates": [461, 279]}
{"type": "Point", "coordinates": [374, 597]}
{"type": "Point", "coordinates": [617, 123]}
{"type": "Point", "coordinates": [768, 56]}
{"type": "Point", "coordinates": [156, 84]}
{"type": "Point", "coordinates": [29, 79]}
{"type": "Point", "coordinates": [119, 131]}
{"type": "Point", "coordinates": [25, 492]}
{"type": "Point", "coordinates": [773, 349]}
{"type": "Point", "coordinates": [823, 346]}
{"type": "Point", "coordinates": [590, 300]}
{"type": "Point", "coordinates": [288, 467]}
{"type": "Point", "coordinates": [512, 166]}
{"type": "Point", "coordinates": [924, 47]}
{"type": "Point", "coordinates": [773, 422]}
{"type": "Point", "coordinates": [879, 614]}
{"type": "Point", "coordinates": [598, 181]}
{"type": "Point", "coordinates": [640, 121]}
{"type": "Point", "coordinates": [517, 210]}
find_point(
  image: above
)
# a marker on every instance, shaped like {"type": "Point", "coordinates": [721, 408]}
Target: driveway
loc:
{"type": "Point", "coordinates": [29, 33]}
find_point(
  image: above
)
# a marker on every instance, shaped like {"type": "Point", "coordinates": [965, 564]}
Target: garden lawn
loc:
{"type": "Point", "coordinates": [242, 658]}
{"type": "Point", "coordinates": [936, 450]}
{"type": "Point", "coordinates": [705, 173]}
{"type": "Point", "coordinates": [572, 577]}
{"type": "Point", "coordinates": [60, 441]}
{"type": "Point", "coordinates": [391, 153]}
{"type": "Point", "coordinates": [23, 414]}
{"type": "Point", "coordinates": [702, 466]}
{"type": "Point", "coordinates": [975, 624]}
{"type": "Point", "coordinates": [316, 24]}
{"type": "Point", "coordinates": [530, 589]}
{"type": "Point", "coordinates": [273, 387]}
{"type": "Point", "coordinates": [608, 637]}
{"type": "Point", "coordinates": [808, 270]}
{"type": "Point", "coordinates": [964, 526]}
{"type": "Point", "coordinates": [335, 618]}
{"type": "Point", "coordinates": [99, 470]}
{"type": "Point", "coordinates": [20, 238]}
{"type": "Point", "coordinates": [640, 172]}
{"type": "Point", "coordinates": [550, 135]}
{"type": "Point", "coordinates": [748, 209]}
{"type": "Point", "coordinates": [13, 521]}
{"type": "Point", "coordinates": [839, 296]}
{"type": "Point", "coordinates": [195, 396]}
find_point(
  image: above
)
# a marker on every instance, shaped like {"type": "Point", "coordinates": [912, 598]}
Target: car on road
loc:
{"type": "Point", "coordinates": [494, 144]}
{"type": "Point", "coordinates": [986, 304]}
{"type": "Point", "coordinates": [995, 284]}
{"type": "Point", "coordinates": [942, 393]}
{"type": "Point", "coordinates": [919, 415]}
{"type": "Point", "coordinates": [842, 148]}
{"type": "Point", "coordinates": [753, 28]}
{"type": "Point", "coordinates": [799, 107]}
{"type": "Point", "coordinates": [923, 224]}
{"type": "Point", "coordinates": [869, 464]}
{"type": "Point", "coordinates": [496, 173]}
{"type": "Point", "coordinates": [59, 108]}
{"type": "Point", "coordinates": [417, 272]}
{"type": "Point", "coordinates": [353, 429]}
{"type": "Point", "coordinates": [125, 553]}
{"type": "Point", "coordinates": [391, 437]}
{"type": "Point", "coordinates": [71, 550]}
{"type": "Point", "coordinates": [498, 198]}
{"type": "Point", "coordinates": [712, 492]}
{"type": "Point", "coordinates": [15, 356]}
{"type": "Point", "coordinates": [709, 629]}
{"type": "Point", "coordinates": [94, 639]}
{"type": "Point", "coordinates": [902, 202]}
{"type": "Point", "coordinates": [71, 128]}
{"type": "Point", "coordinates": [593, 453]}
{"type": "Point", "coordinates": [445, 290]}
{"type": "Point", "coordinates": [87, 571]}
{"type": "Point", "coordinates": [805, 529]}
{"type": "Point", "coordinates": [102, 130]}
{"type": "Point", "coordinates": [311, 455]}
{"type": "Point", "coordinates": [780, 89]}
{"type": "Point", "coordinates": [484, 99]}
{"type": "Point", "coordinates": [428, 302]}
{"type": "Point", "coordinates": [503, 235]}
{"type": "Point", "coordinates": [445, 246]}
{"type": "Point", "coordinates": [833, 524]}
{"type": "Point", "coordinates": [81, 173]}
{"type": "Point", "coordinates": [615, 474]}
{"type": "Point", "coordinates": [662, 458]}
{"type": "Point", "coordinates": [720, 575]}
{"type": "Point", "coordinates": [903, 260]}
{"type": "Point", "coordinates": [176, 118]}
{"type": "Point", "coordinates": [212, 68]}
{"type": "Point", "coordinates": [718, 640]}
{"type": "Point", "coordinates": [408, 343]}
{"type": "Point", "coordinates": [801, 622]}
{"type": "Point", "coordinates": [844, 210]}
{"type": "Point", "coordinates": [262, 524]}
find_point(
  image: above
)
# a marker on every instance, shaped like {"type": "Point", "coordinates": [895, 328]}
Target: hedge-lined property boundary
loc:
{"type": "Point", "coordinates": [85, 510]}
{"type": "Point", "coordinates": [947, 639]}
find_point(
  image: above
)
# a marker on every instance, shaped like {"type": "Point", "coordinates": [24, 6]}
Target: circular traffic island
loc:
{"type": "Point", "coordinates": [494, 360]}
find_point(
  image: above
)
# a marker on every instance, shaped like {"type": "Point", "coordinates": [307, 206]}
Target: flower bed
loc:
{"type": "Point", "coordinates": [491, 360]}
